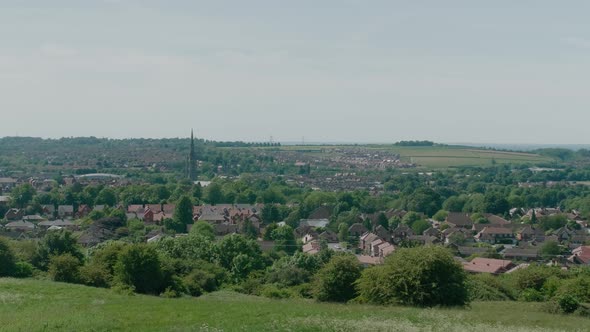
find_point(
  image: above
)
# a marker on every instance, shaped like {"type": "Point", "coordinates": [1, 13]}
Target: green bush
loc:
{"type": "Point", "coordinates": [95, 275]}
{"type": "Point", "coordinates": [485, 287]}
{"type": "Point", "coordinates": [568, 303]}
{"type": "Point", "coordinates": [274, 292]}
{"type": "Point", "coordinates": [23, 270]}
{"type": "Point", "coordinates": [7, 259]}
{"type": "Point", "coordinates": [531, 295]}
{"type": "Point", "coordinates": [199, 282]}
{"type": "Point", "coordinates": [139, 267]}
{"type": "Point", "coordinates": [423, 276]}
{"type": "Point", "coordinates": [335, 281]}
{"type": "Point", "coordinates": [64, 268]}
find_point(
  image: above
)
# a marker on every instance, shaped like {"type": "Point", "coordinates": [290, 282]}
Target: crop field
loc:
{"type": "Point", "coordinates": [33, 305]}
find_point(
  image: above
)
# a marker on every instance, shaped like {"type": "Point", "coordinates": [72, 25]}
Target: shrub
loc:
{"type": "Point", "coordinates": [7, 259]}
{"type": "Point", "coordinates": [139, 266]}
{"type": "Point", "coordinates": [64, 268]}
{"type": "Point", "coordinates": [422, 276]}
{"type": "Point", "coordinates": [23, 270]}
{"type": "Point", "coordinates": [531, 295]}
{"type": "Point", "coordinates": [274, 292]}
{"type": "Point", "coordinates": [95, 275]}
{"type": "Point", "coordinates": [485, 287]}
{"type": "Point", "coordinates": [335, 281]}
{"type": "Point", "coordinates": [568, 303]}
{"type": "Point", "coordinates": [199, 282]}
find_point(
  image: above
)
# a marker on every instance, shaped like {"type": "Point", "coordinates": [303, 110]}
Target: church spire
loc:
{"type": "Point", "coordinates": [192, 160]}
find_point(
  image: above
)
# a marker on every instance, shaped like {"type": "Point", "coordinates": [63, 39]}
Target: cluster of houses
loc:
{"type": "Point", "coordinates": [493, 236]}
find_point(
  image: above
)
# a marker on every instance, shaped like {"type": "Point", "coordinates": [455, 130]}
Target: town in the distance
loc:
{"type": "Point", "coordinates": [275, 220]}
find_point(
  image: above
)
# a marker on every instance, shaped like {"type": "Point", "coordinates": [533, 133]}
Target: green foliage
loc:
{"type": "Point", "coordinates": [550, 249]}
{"type": "Point", "coordinates": [203, 229]}
{"type": "Point", "coordinates": [423, 276]}
{"type": "Point", "coordinates": [56, 243]}
{"type": "Point", "coordinates": [7, 259]}
{"type": "Point", "coordinates": [420, 226]}
{"type": "Point", "coordinates": [284, 239]}
{"type": "Point", "coordinates": [485, 287]}
{"type": "Point", "coordinates": [64, 268]}
{"type": "Point", "coordinates": [553, 222]}
{"type": "Point", "coordinates": [335, 281]}
{"type": "Point", "coordinates": [441, 215]}
{"type": "Point", "coordinates": [568, 303]}
{"type": "Point", "coordinates": [183, 214]}
{"type": "Point", "coordinates": [138, 266]}
{"type": "Point", "coordinates": [21, 195]}
{"type": "Point", "coordinates": [239, 255]}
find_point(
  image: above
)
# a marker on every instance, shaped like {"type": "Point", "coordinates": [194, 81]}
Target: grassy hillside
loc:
{"type": "Point", "coordinates": [31, 305]}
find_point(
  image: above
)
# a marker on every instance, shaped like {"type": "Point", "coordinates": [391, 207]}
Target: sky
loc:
{"type": "Point", "coordinates": [314, 70]}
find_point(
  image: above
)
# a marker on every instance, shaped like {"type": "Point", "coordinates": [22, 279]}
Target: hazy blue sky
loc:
{"type": "Point", "coordinates": [342, 70]}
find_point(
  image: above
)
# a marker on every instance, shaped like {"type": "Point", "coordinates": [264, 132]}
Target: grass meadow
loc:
{"type": "Point", "coordinates": [34, 305]}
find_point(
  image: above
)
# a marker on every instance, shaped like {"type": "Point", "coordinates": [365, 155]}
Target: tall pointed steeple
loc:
{"type": "Point", "coordinates": [192, 160]}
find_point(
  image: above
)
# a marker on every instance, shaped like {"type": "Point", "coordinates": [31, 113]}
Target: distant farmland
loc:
{"type": "Point", "coordinates": [434, 156]}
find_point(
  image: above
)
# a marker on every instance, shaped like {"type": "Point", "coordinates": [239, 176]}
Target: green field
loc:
{"type": "Point", "coordinates": [32, 305]}
{"type": "Point", "coordinates": [435, 156]}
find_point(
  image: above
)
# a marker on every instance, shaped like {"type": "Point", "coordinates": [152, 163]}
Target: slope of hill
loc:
{"type": "Point", "coordinates": [33, 305]}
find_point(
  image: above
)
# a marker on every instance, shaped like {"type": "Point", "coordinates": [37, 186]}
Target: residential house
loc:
{"type": "Point", "coordinates": [311, 247]}
{"type": "Point", "coordinates": [148, 216]}
{"type": "Point", "coordinates": [329, 236]}
{"type": "Point", "coordinates": [135, 208]}
{"type": "Point", "coordinates": [14, 214]}
{"type": "Point", "coordinates": [365, 242]}
{"type": "Point", "coordinates": [520, 254]}
{"type": "Point", "coordinates": [20, 226]}
{"type": "Point", "coordinates": [169, 208]}
{"type": "Point", "coordinates": [57, 223]}
{"type": "Point", "coordinates": [488, 265]}
{"type": "Point", "coordinates": [530, 233]}
{"type": "Point", "coordinates": [322, 212]}
{"type": "Point", "coordinates": [314, 222]}
{"type": "Point", "coordinates": [65, 211]}
{"type": "Point", "coordinates": [459, 220]}
{"type": "Point", "coordinates": [580, 255]}
{"type": "Point", "coordinates": [83, 211]}
{"type": "Point", "coordinates": [382, 232]}
{"type": "Point", "coordinates": [401, 232]}
{"type": "Point", "coordinates": [155, 208]}
{"type": "Point", "coordinates": [495, 235]}
{"type": "Point", "coordinates": [357, 229]}
{"type": "Point", "coordinates": [48, 210]}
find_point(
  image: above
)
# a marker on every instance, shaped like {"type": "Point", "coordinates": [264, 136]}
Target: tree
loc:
{"type": "Point", "coordinates": [248, 229]}
{"type": "Point", "coordinates": [284, 239]}
{"type": "Point", "coordinates": [107, 197]}
{"type": "Point", "coordinates": [56, 243]}
{"type": "Point", "coordinates": [139, 267]}
{"type": "Point", "coordinates": [382, 220]}
{"type": "Point", "coordinates": [441, 215]}
{"type": "Point", "coordinates": [239, 255]}
{"type": "Point", "coordinates": [7, 259]}
{"type": "Point", "coordinates": [270, 214]}
{"type": "Point", "coordinates": [22, 195]}
{"type": "Point", "coordinates": [204, 229]}
{"type": "Point", "coordinates": [335, 281]}
{"type": "Point", "coordinates": [183, 215]}
{"type": "Point", "coordinates": [64, 268]}
{"type": "Point", "coordinates": [343, 232]}
{"type": "Point", "coordinates": [214, 193]}
{"type": "Point", "coordinates": [550, 249]}
{"type": "Point", "coordinates": [420, 226]}
{"type": "Point", "coordinates": [422, 276]}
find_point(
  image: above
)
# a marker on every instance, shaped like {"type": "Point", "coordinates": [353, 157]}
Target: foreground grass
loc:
{"type": "Point", "coordinates": [32, 305]}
